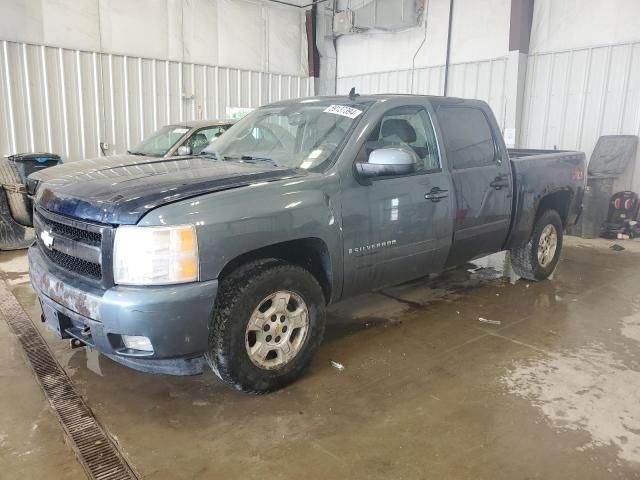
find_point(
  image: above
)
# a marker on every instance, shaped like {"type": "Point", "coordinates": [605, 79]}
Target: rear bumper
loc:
{"type": "Point", "coordinates": [175, 318]}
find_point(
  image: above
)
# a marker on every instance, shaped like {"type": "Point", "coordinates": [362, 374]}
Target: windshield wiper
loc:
{"type": "Point", "coordinates": [142, 154]}
{"type": "Point", "coordinates": [210, 154]}
{"type": "Point", "coordinates": [251, 158]}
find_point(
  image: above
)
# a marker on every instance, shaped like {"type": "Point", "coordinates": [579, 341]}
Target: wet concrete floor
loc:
{"type": "Point", "coordinates": [546, 386]}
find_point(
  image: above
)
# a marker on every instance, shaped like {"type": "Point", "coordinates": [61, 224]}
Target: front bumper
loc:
{"type": "Point", "coordinates": [175, 317]}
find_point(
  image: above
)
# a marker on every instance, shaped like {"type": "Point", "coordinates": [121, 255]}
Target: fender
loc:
{"type": "Point", "coordinates": [234, 222]}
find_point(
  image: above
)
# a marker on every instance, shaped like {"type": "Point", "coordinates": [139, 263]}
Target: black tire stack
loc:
{"type": "Point", "coordinates": [19, 203]}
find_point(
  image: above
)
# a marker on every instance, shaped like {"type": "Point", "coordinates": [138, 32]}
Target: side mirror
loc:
{"type": "Point", "coordinates": [184, 150]}
{"type": "Point", "coordinates": [387, 162]}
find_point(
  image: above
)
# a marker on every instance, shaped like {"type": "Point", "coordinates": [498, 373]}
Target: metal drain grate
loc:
{"type": "Point", "coordinates": [93, 447]}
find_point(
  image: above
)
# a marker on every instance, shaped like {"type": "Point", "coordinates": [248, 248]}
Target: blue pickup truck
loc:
{"type": "Point", "coordinates": [230, 257]}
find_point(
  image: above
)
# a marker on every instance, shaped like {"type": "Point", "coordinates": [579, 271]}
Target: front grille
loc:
{"type": "Point", "coordinates": [74, 233]}
{"type": "Point", "coordinates": [72, 264]}
{"type": "Point", "coordinates": [78, 247]}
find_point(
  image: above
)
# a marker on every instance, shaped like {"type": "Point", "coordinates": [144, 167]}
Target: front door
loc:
{"type": "Point", "coordinates": [397, 228]}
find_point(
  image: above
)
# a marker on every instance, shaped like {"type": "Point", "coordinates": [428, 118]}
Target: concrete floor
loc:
{"type": "Point", "coordinates": [549, 390]}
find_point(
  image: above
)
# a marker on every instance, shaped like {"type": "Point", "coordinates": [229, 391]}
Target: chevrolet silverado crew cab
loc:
{"type": "Point", "coordinates": [231, 256]}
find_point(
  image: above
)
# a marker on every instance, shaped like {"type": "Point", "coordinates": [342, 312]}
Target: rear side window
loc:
{"type": "Point", "coordinates": [467, 137]}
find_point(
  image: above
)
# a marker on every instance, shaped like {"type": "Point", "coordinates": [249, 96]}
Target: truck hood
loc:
{"type": "Point", "coordinates": [121, 189]}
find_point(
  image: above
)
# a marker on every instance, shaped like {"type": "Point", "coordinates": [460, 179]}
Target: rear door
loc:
{"type": "Point", "coordinates": [481, 175]}
{"type": "Point", "coordinates": [397, 228]}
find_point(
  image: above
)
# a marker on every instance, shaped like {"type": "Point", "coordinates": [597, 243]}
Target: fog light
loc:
{"type": "Point", "coordinates": [135, 342]}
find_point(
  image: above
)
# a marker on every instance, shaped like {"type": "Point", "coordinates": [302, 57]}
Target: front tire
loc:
{"type": "Point", "coordinates": [268, 322]}
{"type": "Point", "coordinates": [538, 258]}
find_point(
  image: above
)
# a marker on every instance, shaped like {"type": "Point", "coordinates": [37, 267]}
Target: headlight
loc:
{"type": "Point", "coordinates": [155, 255]}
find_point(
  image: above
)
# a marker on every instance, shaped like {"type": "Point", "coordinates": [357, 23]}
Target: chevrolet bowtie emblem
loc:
{"type": "Point", "coordinates": [47, 238]}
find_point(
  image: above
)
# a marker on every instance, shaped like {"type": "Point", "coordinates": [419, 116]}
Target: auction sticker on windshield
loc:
{"type": "Point", "coordinates": [343, 110]}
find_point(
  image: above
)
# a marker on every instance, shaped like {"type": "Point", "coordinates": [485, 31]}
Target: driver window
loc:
{"type": "Point", "coordinates": [406, 127]}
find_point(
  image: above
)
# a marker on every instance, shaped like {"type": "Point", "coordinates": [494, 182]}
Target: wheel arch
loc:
{"type": "Point", "coordinates": [559, 201]}
{"type": "Point", "coordinates": [310, 253]}
{"type": "Point", "coordinates": [529, 208]}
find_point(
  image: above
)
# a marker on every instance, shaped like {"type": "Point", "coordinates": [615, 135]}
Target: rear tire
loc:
{"type": "Point", "coordinates": [538, 258]}
{"type": "Point", "coordinates": [268, 322]}
{"type": "Point", "coordinates": [19, 204]}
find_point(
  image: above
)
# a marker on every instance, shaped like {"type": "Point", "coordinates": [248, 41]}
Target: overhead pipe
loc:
{"type": "Point", "coordinates": [313, 57]}
{"type": "Point", "coordinates": [448, 60]}
{"type": "Point", "coordinates": [425, 13]}
{"type": "Point", "coordinates": [326, 45]}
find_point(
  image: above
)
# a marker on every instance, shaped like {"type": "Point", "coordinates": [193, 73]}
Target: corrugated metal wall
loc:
{"type": "Point", "coordinates": [68, 101]}
{"type": "Point", "coordinates": [484, 80]}
{"type": "Point", "coordinates": [572, 97]}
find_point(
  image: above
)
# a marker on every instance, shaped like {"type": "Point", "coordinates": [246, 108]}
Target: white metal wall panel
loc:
{"type": "Point", "coordinates": [68, 101]}
{"type": "Point", "coordinates": [573, 97]}
{"type": "Point", "coordinates": [484, 80]}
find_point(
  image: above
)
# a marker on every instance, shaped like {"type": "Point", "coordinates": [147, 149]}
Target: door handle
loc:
{"type": "Point", "coordinates": [435, 194]}
{"type": "Point", "coordinates": [499, 183]}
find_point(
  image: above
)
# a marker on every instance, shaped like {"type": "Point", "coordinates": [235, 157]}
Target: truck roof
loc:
{"type": "Point", "coordinates": [204, 123]}
{"type": "Point", "coordinates": [372, 99]}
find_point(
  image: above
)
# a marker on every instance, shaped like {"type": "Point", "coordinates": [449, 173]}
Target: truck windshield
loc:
{"type": "Point", "coordinates": [160, 141]}
{"type": "Point", "coordinates": [302, 135]}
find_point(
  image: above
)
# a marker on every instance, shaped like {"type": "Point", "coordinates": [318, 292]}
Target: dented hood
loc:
{"type": "Point", "coordinates": [121, 189]}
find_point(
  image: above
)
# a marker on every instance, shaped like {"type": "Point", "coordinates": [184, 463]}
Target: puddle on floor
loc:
{"type": "Point", "coordinates": [388, 306]}
{"type": "Point", "coordinates": [631, 326]}
{"type": "Point", "coordinates": [584, 389]}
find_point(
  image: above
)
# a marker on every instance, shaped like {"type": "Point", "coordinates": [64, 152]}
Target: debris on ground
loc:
{"type": "Point", "coordinates": [616, 248]}
{"type": "Point", "coordinates": [337, 365]}
{"type": "Point", "coordinates": [491, 322]}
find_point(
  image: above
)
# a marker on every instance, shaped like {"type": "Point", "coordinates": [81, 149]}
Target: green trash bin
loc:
{"type": "Point", "coordinates": [27, 163]}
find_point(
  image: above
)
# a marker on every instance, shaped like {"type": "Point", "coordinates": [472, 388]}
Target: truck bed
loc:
{"type": "Point", "coordinates": [529, 152]}
{"type": "Point", "coordinates": [537, 174]}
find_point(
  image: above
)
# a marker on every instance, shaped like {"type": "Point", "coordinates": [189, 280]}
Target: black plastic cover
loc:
{"type": "Point", "coordinates": [612, 154]}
